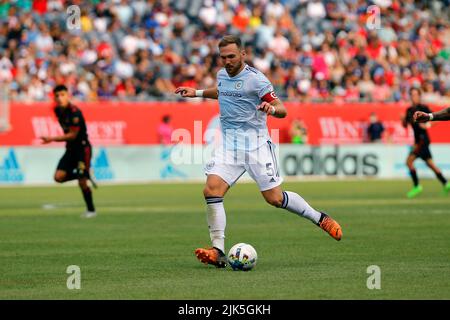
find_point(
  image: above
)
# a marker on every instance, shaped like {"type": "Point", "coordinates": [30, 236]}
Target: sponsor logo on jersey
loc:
{"type": "Point", "coordinates": [235, 94]}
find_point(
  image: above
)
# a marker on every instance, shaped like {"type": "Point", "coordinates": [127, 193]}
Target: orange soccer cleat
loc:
{"type": "Point", "coordinates": [331, 226]}
{"type": "Point", "coordinates": [212, 256]}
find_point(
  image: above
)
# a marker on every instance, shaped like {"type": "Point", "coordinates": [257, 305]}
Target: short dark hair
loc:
{"type": "Point", "coordinates": [58, 88]}
{"type": "Point", "coordinates": [416, 89]}
{"type": "Point", "coordinates": [230, 39]}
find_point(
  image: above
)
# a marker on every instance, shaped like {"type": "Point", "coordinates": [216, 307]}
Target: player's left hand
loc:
{"type": "Point", "coordinates": [266, 108]}
{"type": "Point", "coordinates": [46, 140]}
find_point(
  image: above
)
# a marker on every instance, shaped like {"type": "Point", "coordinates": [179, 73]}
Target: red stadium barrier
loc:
{"type": "Point", "coordinates": [114, 123]}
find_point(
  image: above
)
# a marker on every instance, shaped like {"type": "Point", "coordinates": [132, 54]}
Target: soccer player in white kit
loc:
{"type": "Point", "coordinates": [246, 97]}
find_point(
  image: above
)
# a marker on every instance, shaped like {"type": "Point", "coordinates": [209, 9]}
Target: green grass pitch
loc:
{"type": "Point", "coordinates": [142, 242]}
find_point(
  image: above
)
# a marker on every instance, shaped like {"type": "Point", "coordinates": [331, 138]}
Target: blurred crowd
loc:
{"type": "Point", "coordinates": [317, 50]}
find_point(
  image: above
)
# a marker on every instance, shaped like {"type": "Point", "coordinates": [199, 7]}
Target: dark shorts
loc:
{"type": "Point", "coordinates": [422, 150]}
{"type": "Point", "coordinates": [76, 162]}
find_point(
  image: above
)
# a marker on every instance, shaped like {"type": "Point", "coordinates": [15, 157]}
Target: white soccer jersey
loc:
{"type": "Point", "coordinates": [247, 145]}
{"type": "Point", "coordinates": [243, 126]}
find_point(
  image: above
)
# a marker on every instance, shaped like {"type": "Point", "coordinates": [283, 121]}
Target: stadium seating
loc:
{"type": "Point", "coordinates": [315, 51]}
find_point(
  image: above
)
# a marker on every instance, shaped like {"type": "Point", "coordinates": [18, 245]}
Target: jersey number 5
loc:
{"type": "Point", "coordinates": [270, 171]}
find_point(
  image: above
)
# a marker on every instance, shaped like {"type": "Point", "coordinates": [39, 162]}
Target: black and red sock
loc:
{"type": "Point", "coordinates": [87, 195]}
{"type": "Point", "coordinates": [441, 178]}
{"type": "Point", "coordinates": [414, 177]}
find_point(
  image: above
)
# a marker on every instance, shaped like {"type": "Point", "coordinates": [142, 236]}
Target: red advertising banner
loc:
{"type": "Point", "coordinates": [117, 123]}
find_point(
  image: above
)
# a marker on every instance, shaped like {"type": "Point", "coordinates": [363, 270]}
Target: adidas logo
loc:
{"type": "Point", "coordinates": [272, 180]}
{"type": "Point", "coordinates": [10, 169]}
{"type": "Point", "coordinates": [102, 167]}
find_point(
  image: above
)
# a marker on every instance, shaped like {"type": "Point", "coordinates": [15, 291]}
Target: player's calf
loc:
{"type": "Point", "coordinates": [293, 202]}
{"type": "Point", "coordinates": [276, 201]}
{"type": "Point", "coordinates": [213, 192]}
{"type": "Point", "coordinates": [87, 195]}
{"type": "Point", "coordinates": [274, 197]}
{"type": "Point", "coordinates": [430, 163]}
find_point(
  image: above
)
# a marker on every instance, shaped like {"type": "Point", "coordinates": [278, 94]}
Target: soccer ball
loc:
{"type": "Point", "coordinates": [242, 256]}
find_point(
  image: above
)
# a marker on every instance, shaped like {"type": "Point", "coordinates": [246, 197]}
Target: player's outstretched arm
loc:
{"type": "Point", "coordinates": [69, 136]}
{"type": "Point", "coordinates": [187, 92]}
{"type": "Point", "coordinates": [441, 115]}
{"type": "Point", "coordinates": [274, 108]}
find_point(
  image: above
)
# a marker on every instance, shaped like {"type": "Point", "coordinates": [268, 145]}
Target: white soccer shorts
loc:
{"type": "Point", "coordinates": [261, 164]}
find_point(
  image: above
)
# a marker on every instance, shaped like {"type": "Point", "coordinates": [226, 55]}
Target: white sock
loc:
{"type": "Point", "coordinates": [216, 221]}
{"type": "Point", "coordinates": [296, 204]}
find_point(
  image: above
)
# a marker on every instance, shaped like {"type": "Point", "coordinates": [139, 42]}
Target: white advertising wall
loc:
{"type": "Point", "coordinates": [36, 165]}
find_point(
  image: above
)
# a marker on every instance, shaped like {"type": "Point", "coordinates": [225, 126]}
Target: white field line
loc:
{"type": "Point", "coordinates": [245, 180]}
{"type": "Point", "coordinates": [56, 209]}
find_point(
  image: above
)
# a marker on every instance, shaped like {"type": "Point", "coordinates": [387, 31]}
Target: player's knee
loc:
{"type": "Point", "coordinates": [209, 191]}
{"type": "Point", "coordinates": [213, 191]}
{"type": "Point", "coordinates": [409, 164]}
{"type": "Point", "coordinates": [60, 178]}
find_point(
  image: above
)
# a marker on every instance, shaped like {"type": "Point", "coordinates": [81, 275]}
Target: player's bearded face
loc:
{"type": "Point", "coordinates": [232, 58]}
